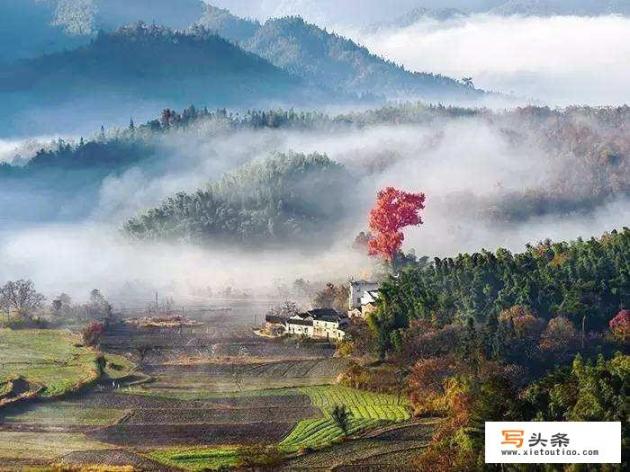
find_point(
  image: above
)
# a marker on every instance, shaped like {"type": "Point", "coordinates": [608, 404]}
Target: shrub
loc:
{"type": "Point", "coordinates": [92, 333]}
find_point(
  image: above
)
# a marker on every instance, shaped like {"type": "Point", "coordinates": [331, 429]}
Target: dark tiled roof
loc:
{"type": "Point", "coordinates": [300, 322]}
{"type": "Point", "coordinates": [275, 319]}
{"type": "Point", "coordinates": [325, 314]}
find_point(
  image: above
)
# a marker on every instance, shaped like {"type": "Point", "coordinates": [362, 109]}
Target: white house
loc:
{"type": "Point", "coordinates": [322, 323]}
{"type": "Point", "coordinates": [298, 326]}
{"type": "Point", "coordinates": [363, 296]}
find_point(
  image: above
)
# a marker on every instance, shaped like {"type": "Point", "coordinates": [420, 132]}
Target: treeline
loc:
{"type": "Point", "coordinates": [287, 199]}
{"type": "Point", "coordinates": [586, 282]}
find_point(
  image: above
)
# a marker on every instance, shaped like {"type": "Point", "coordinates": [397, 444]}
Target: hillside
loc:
{"type": "Point", "coordinates": [324, 57]}
{"type": "Point", "coordinates": [35, 27]}
{"type": "Point", "coordinates": [286, 200]}
{"type": "Point", "coordinates": [27, 30]}
{"type": "Point", "coordinates": [139, 67]}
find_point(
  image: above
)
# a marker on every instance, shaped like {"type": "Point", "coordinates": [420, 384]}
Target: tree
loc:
{"type": "Point", "coordinates": [333, 296]}
{"type": "Point", "coordinates": [341, 416]}
{"type": "Point", "coordinates": [394, 210]}
{"type": "Point", "coordinates": [620, 325]}
{"type": "Point", "coordinates": [468, 82]}
{"type": "Point", "coordinates": [559, 337]}
{"type": "Point", "coordinates": [92, 333]}
{"type": "Point", "coordinates": [21, 297]}
{"type": "Point", "coordinates": [76, 16]}
{"type": "Point", "coordinates": [99, 307]}
{"type": "Point", "coordinates": [285, 310]}
{"type": "Point", "coordinates": [61, 304]}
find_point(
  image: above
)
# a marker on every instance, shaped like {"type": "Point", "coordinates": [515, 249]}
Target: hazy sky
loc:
{"type": "Point", "coordinates": [333, 13]}
{"type": "Point", "coordinates": [340, 12]}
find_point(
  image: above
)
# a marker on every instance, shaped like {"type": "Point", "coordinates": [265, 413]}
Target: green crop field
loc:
{"type": "Point", "coordinates": [197, 458]}
{"type": "Point", "coordinates": [47, 358]}
{"type": "Point", "coordinates": [366, 409]}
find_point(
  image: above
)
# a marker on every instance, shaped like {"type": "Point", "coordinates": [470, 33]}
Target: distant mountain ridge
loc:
{"type": "Point", "coordinates": [151, 64]}
{"type": "Point", "coordinates": [543, 8]}
{"type": "Point", "coordinates": [323, 57]}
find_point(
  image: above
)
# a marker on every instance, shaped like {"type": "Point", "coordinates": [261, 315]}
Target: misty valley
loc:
{"type": "Point", "coordinates": [312, 236]}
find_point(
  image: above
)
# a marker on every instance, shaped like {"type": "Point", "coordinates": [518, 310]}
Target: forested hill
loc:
{"type": "Point", "coordinates": [583, 281]}
{"type": "Point", "coordinates": [284, 201]}
{"type": "Point", "coordinates": [140, 64]}
{"type": "Point", "coordinates": [323, 57]}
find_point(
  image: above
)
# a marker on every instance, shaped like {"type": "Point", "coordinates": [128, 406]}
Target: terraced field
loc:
{"type": "Point", "coordinates": [195, 381]}
{"type": "Point", "coordinates": [46, 359]}
{"type": "Point", "coordinates": [391, 448]}
{"type": "Point", "coordinates": [190, 415]}
{"type": "Point", "coordinates": [318, 430]}
{"type": "Point", "coordinates": [367, 410]}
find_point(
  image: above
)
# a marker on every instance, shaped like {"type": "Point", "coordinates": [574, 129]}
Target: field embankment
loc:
{"type": "Point", "coordinates": [46, 363]}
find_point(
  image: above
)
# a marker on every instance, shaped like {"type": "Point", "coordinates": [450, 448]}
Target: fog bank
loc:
{"type": "Point", "coordinates": [559, 60]}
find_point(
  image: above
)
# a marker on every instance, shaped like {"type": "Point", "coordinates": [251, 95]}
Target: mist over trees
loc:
{"type": "Point", "coordinates": [584, 152]}
{"type": "Point", "coordinates": [285, 200]}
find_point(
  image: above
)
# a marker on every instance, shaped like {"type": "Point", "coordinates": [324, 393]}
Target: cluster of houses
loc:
{"type": "Point", "coordinates": [326, 323]}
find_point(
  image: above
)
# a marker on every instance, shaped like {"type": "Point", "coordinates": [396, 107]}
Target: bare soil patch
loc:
{"type": "Point", "coordinates": [148, 435]}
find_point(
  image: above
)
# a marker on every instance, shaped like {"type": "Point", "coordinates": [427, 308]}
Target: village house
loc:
{"type": "Point", "coordinates": [275, 325]}
{"type": "Point", "coordinates": [363, 297]}
{"type": "Point", "coordinates": [319, 323]}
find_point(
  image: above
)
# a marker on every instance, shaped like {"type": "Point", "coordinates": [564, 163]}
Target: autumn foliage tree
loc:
{"type": "Point", "coordinates": [620, 325]}
{"type": "Point", "coordinates": [394, 210]}
{"type": "Point", "coordinates": [92, 333]}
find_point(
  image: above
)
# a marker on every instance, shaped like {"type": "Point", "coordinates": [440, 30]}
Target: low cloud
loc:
{"type": "Point", "coordinates": [558, 60]}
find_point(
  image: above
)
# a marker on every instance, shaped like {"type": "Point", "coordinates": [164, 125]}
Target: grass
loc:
{"type": "Point", "coordinates": [117, 367]}
{"type": "Point", "coordinates": [367, 410]}
{"type": "Point", "coordinates": [198, 458]}
{"type": "Point", "coordinates": [49, 358]}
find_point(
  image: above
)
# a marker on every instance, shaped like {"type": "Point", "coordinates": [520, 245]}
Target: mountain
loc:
{"type": "Point", "coordinates": [27, 30]}
{"type": "Point", "coordinates": [119, 73]}
{"type": "Point", "coordinates": [562, 7]}
{"type": "Point", "coordinates": [31, 28]}
{"type": "Point", "coordinates": [323, 57]}
{"type": "Point", "coordinates": [415, 15]}
{"type": "Point", "coordinates": [228, 25]}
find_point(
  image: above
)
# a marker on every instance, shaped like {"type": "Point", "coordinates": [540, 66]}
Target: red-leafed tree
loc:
{"type": "Point", "coordinates": [620, 325]}
{"type": "Point", "coordinates": [394, 210]}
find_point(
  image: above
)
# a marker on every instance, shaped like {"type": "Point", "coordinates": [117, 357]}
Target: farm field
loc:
{"type": "Point", "coordinates": [49, 360]}
{"type": "Point", "coordinates": [191, 381]}
{"type": "Point", "coordinates": [194, 413]}
{"type": "Point", "coordinates": [368, 410]}
{"type": "Point", "coordinates": [387, 448]}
